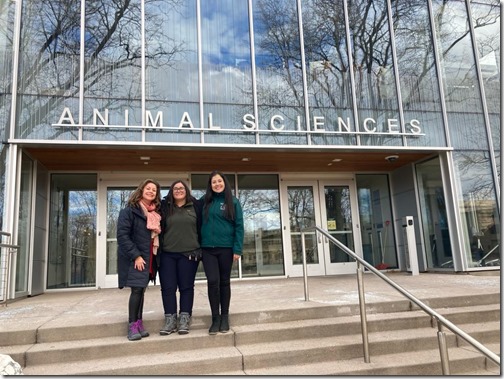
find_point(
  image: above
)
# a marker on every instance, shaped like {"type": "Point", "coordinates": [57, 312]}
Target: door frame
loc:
{"type": "Point", "coordinates": [106, 180]}
{"type": "Point", "coordinates": [324, 267]}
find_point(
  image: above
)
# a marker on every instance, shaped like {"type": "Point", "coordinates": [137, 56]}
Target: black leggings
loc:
{"type": "Point", "coordinates": [217, 263]}
{"type": "Point", "coordinates": [135, 306]}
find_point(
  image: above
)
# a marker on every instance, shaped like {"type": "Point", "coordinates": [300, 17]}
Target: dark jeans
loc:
{"type": "Point", "coordinates": [217, 263]}
{"type": "Point", "coordinates": [177, 271]}
{"type": "Point", "coordinates": [135, 305]}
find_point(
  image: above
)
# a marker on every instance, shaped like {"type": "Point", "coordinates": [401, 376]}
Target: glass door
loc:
{"type": "Point", "coordinates": [113, 196]}
{"type": "Point", "coordinates": [339, 210]}
{"type": "Point", "coordinates": [329, 205]}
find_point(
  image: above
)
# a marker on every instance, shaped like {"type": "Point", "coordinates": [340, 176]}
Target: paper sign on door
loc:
{"type": "Point", "coordinates": [331, 224]}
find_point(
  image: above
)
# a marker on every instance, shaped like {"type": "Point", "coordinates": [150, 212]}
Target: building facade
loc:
{"type": "Point", "coordinates": [348, 115]}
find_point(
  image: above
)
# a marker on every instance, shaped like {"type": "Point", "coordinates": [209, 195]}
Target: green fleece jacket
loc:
{"type": "Point", "coordinates": [217, 231]}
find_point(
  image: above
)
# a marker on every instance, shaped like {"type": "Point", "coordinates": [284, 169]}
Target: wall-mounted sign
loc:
{"type": "Point", "coordinates": [276, 123]}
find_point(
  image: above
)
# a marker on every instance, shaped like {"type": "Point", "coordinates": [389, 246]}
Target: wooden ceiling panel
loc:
{"type": "Point", "coordinates": [205, 160]}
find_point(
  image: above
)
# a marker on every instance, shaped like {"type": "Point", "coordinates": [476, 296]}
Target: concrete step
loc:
{"type": "Point", "coordinates": [309, 350]}
{"type": "Point", "coordinates": [158, 354]}
{"type": "Point", "coordinates": [462, 361]}
{"type": "Point", "coordinates": [334, 326]}
{"type": "Point", "coordinates": [111, 347]}
{"type": "Point", "coordinates": [311, 339]}
{"type": "Point", "coordinates": [189, 362]}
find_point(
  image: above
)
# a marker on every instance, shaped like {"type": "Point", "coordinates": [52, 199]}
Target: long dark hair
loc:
{"type": "Point", "coordinates": [171, 200]}
{"type": "Point", "coordinates": [229, 212]}
{"type": "Point", "coordinates": [137, 194]}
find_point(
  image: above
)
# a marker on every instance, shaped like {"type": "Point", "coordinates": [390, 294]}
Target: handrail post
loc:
{"type": "Point", "coordinates": [362, 306]}
{"type": "Point", "coordinates": [5, 264]}
{"type": "Point", "coordinates": [305, 268]}
{"type": "Point", "coordinates": [443, 350]}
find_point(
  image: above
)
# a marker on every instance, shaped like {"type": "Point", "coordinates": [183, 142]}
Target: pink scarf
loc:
{"type": "Point", "coordinates": [153, 223]}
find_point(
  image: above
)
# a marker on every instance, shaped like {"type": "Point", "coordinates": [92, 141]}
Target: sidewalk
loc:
{"type": "Point", "coordinates": [88, 307]}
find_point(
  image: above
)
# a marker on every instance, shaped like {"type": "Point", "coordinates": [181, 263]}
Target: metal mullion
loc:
{"type": "Point", "coordinates": [253, 67]}
{"type": "Point", "coordinates": [351, 71]}
{"type": "Point", "coordinates": [303, 68]}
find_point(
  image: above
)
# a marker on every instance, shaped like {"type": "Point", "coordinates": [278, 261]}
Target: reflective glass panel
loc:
{"type": "Point", "coordinates": [486, 19]}
{"type": "Point", "coordinates": [339, 221]}
{"type": "Point", "coordinates": [280, 94]}
{"type": "Point", "coordinates": [24, 224]}
{"type": "Point", "coordinates": [172, 88]}
{"type": "Point", "coordinates": [375, 214]}
{"type": "Point", "coordinates": [478, 209]}
{"type": "Point", "coordinates": [71, 259]}
{"type": "Point", "coordinates": [227, 84]}
{"type": "Point", "coordinates": [48, 68]}
{"type": "Point", "coordinates": [262, 247]}
{"type": "Point", "coordinates": [329, 85]}
{"type": "Point", "coordinates": [375, 87]}
{"type": "Point", "coordinates": [461, 88]}
{"type": "Point", "coordinates": [302, 215]}
{"type": "Point", "coordinates": [112, 77]}
{"type": "Point", "coordinates": [417, 73]}
{"type": "Point", "coordinates": [434, 217]}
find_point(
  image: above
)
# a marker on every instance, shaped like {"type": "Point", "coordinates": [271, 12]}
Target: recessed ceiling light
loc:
{"type": "Point", "coordinates": [145, 158]}
{"type": "Point", "coordinates": [245, 159]}
{"type": "Point", "coordinates": [337, 160]}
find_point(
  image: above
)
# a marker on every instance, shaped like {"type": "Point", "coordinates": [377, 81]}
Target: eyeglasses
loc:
{"type": "Point", "coordinates": [178, 189]}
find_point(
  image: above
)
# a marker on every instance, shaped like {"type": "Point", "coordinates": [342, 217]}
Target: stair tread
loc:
{"type": "Point", "coordinates": [173, 341]}
{"type": "Point", "coordinates": [358, 366]}
{"type": "Point", "coordinates": [390, 335]}
{"type": "Point", "coordinates": [445, 312]}
{"type": "Point", "coordinates": [123, 365]}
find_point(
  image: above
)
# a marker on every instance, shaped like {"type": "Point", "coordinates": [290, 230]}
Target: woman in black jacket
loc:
{"type": "Point", "coordinates": [138, 228]}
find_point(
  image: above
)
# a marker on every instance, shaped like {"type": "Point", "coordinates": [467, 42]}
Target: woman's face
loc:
{"type": "Point", "coordinates": [218, 184]}
{"type": "Point", "coordinates": [179, 192]}
{"type": "Point", "coordinates": [149, 193]}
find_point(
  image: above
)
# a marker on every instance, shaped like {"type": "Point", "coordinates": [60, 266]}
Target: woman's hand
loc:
{"type": "Point", "coordinates": [236, 257]}
{"type": "Point", "coordinates": [139, 263]}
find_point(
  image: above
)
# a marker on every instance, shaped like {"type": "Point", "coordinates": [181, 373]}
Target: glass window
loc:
{"type": "Point", "coordinates": [375, 213]}
{"type": "Point", "coordinates": [375, 87]}
{"type": "Point", "coordinates": [24, 225]}
{"type": "Point", "coordinates": [262, 247]}
{"type": "Point", "coordinates": [417, 73]}
{"type": "Point", "coordinates": [486, 20]}
{"type": "Point", "coordinates": [72, 231]}
{"type": "Point", "coordinates": [462, 95]}
{"type": "Point", "coordinates": [435, 226]}
{"type": "Point", "coordinates": [280, 94]}
{"type": "Point", "coordinates": [6, 18]}
{"type": "Point", "coordinates": [478, 208]}
{"type": "Point", "coordinates": [329, 85]}
{"type": "Point", "coordinates": [48, 68]}
{"type": "Point", "coordinates": [112, 78]}
{"type": "Point", "coordinates": [227, 84]}
{"type": "Point", "coordinates": [172, 70]}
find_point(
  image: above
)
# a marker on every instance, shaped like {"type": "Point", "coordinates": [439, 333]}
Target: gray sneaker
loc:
{"type": "Point", "coordinates": [170, 325]}
{"type": "Point", "coordinates": [184, 323]}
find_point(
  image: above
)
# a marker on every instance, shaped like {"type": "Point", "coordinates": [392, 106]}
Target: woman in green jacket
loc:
{"type": "Point", "coordinates": [222, 233]}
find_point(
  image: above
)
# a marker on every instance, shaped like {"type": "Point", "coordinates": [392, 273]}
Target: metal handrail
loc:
{"type": "Point", "coordinates": [11, 249]}
{"type": "Point", "coordinates": [442, 322]}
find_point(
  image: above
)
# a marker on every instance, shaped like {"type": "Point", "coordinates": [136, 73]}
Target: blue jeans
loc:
{"type": "Point", "coordinates": [177, 271]}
